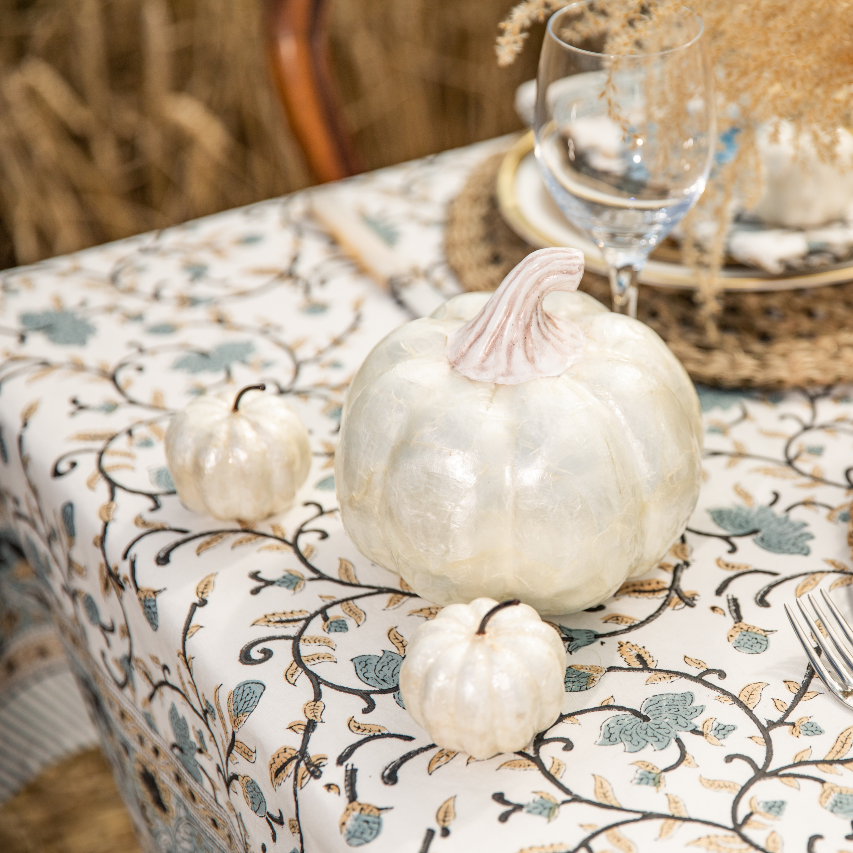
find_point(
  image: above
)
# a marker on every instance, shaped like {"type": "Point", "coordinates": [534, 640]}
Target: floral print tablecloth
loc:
{"type": "Point", "coordinates": [244, 679]}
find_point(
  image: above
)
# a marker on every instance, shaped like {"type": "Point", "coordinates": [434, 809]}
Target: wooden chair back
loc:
{"type": "Point", "coordinates": [298, 50]}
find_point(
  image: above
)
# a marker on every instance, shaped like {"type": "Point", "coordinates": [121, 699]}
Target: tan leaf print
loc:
{"type": "Point", "coordinates": [281, 765]}
{"type": "Point", "coordinates": [319, 657]}
{"type": "Point", "coordinates": [313, 710]}
{"type": "Point", "coordinates": [751, 694]}
{"type": "Point", "coordinates": [651, 588]}
{"type": "Point", "coordinates": [603, 792]}
{"type": "Point", "coordinates": [695, 663]}
{"type": "Point", "coordinates": [635, 656]}
{"type": "Point", "coordinates": [210, 541]}
{"type": "Point", "coordinates": [242, 750]}
{"type": "Point", "coordinates": [354, 612]}
{"type": "Point", "coordinates": [205, 586]}
{"type": "Point", "coordinates": [293, 672]}
{"type": "Point", "coordinates": [842, 744]}
{"type": "Point", "coordinates": [346, 571]}
{"type": "Point", "coordinates": [809, 583]}
{"type": "Point", "coordinates": [446, 813]}
{"type": "Point", "coordinates": [440, 759]}
{"type": "Point", "coordinates": [557, 768]}
{"type": "Point", "coordinates": [317, 640]}
{"type": "Point", "coordinates": [107, 511]}
{"type": "Point", "coordinates": [615, 837]}
{"type": "Point", "coordinates": [726, 566]}
{"type": "Point", "coordinates": [395, 600]}
{"type": "Point", "coordinates": [518, 764]}
{"type": "Point", "coordinates": [618, 619]}
{"type": "Point", "coordinates": [719, 785]}
{"type": "Point", "coordinates": [364, 728]}
{"type": "Point", "coordinates": [397, 640]}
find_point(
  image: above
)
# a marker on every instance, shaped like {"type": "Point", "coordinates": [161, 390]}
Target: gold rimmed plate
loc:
{"type": "Point", "coordinates": [531, 212]}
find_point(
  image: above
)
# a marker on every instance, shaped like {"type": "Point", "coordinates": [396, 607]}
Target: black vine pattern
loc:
{"type": "Point", "coordinates": [245, 677]}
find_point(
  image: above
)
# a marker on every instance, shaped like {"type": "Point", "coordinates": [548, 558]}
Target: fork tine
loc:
{"type": "Point", "coordinates": [819, 668]}
{"type": "Point", "coordinates": [833, 636]}
{"type": "Point", "coordinates": [840, 620]}
{"type": "Point", "coordinates": [842, 677]}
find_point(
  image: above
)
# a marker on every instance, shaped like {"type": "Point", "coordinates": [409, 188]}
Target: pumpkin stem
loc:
{"type": "Point", "coordinates": [502, 606]}
{"type": "Point", "coordinates": [260, 387]}
{"type": "Point", "coordinates": [514, 339]}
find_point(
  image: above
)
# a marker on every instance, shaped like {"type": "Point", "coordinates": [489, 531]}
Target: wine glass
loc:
{"type": "Point", "coordinates": [625, 129]}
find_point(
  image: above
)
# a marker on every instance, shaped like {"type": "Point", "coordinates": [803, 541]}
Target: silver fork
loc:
{"type": "Point", "coordinates": [837, 645]}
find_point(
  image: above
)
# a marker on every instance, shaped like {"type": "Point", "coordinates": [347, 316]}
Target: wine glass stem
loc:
{"type": "Point", "coordinates": [623, 289]}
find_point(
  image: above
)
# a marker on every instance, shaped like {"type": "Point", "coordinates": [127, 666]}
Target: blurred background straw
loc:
{"type": "Point", "coordinates": [120, 116]}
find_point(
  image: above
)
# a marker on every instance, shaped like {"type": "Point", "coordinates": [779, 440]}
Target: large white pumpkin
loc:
{"type": "Point", "coordinates": [484, 677]}
{"type": "Point", "coordinates": [238, 455]}
{"type": "Point", "coordinates": [524, 444]}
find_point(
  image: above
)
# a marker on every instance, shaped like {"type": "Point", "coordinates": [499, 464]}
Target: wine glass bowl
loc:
{"type": "Point", "coordinates": [625, 129]}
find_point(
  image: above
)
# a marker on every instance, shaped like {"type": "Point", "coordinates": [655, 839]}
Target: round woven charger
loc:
{"type": "Point", "coordinates": [777, 339]}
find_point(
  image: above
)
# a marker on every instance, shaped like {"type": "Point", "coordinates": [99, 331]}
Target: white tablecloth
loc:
{"type": "Point", "coordinates": [244, 681]}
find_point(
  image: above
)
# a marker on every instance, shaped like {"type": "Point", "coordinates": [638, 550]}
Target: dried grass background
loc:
{"type": "Point", "coordinates": [119, 116]}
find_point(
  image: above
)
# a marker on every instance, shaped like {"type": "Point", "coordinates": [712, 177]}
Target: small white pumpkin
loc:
{"type": "Point", "coordinates": [523, 444]}
{"type": "Point", "coordinates": [484, 677]}
{"type": "Point", "coordinates": [237, 456]}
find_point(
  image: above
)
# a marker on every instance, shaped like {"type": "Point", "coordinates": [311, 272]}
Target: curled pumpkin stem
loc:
{"type": "Point", "coordinates": [502, 606]}
{"type": "Point", "coordinates": [260, 387]}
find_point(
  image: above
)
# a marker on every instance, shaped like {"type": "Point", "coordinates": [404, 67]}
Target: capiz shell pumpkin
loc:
{"type": "Point", "coordinates": [526, 444]}
{"type": "Point", "coordinates": [484, 677]}
{"type": "Point", "coordinates": [237, 455]}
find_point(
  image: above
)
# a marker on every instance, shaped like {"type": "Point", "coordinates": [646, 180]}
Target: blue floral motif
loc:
{"type": "Point", "coordinates": [379, 672]}
{"type": "Point", "coordinates": [648, 777]}
{"type": "Point", "coordinates": [362, 826]}
{"type": "Point", "coordinates": [68, 519]}
{"type": "Point", "coordinates": [715, 398]}
{"type": "Point", "coordinates": [775, 808]}
{"type": "Point", "coordinates": [60, 327]}
{"type": "Point", "coordinates": [91, 609]}
{"type": "Point", "coordinates": [327, 483]}
{"type": "Point", "coordinates": [841, 804]}
{"type": "Point", "coordinates": [218, 359]}
{"type": "Point", "coordinates": [291, 580]}
{"type": "Point", "coordinates": [577, 679]}
{"type": "Point", "coordinates": [751, 642]}
{"type": "Point", "coordinates": [336, 626]}
{"type": "Point", "coordinates": [668, 713]}
{"type": "Point", "coordinates": [162, 329]}
{"type": "Point", "coordinates": [161, 479]}
{"type": "Point", "coordinates": [35, 558]}
{"type": "Point", "coordinates": [195, 271]}
{"type": "Point", "coordinates": [254, 796]}
{"type": "Point", "coordinates": [244, 700]}
{"type": "Point", "coordinates": [543, 807]}
{"type": "Point", "coordinates": [722, 730]}
{"type": "Point", "coordinates": [4, 453]}
{"type": "Point", "coordinates": [775, 533]}
{"type": "Point", "coordinates": [577, 638]}
{"type": "Point", "coordinates": [187, 747]}
{"type": "Point", "coordinates": [810, 729]}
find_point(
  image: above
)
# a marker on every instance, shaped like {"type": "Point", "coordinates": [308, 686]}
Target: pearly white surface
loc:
{"type": "Point", "coordinates": [484, 693]}
{"type": "Point", "coordinates": [243, 465]}
{"type": "Point", "coordinates": [553, 491]}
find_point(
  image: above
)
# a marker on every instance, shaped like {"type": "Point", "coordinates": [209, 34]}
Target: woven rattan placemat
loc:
{"type": "Point", "coordinates": [780, 339]}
